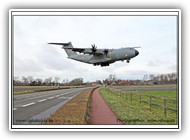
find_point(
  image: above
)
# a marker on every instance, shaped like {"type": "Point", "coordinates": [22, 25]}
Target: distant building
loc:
{"type": "Point", "coordinates": [91, 84]}
{"type": "Point", "coordinates": [125, 82]}
{"type": "Point", "coordinates": [94, 84]}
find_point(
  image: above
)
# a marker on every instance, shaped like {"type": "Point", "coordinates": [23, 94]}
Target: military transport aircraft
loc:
{"type": "Point", "coordinates": [95, 56]}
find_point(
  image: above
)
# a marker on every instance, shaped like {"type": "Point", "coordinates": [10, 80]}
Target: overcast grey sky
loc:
{"type": "Point", "coordinates": [157, 36]}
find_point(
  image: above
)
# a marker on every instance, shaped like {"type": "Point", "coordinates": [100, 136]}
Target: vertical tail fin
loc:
{"type": "Point", "coordinates": [67, 47]}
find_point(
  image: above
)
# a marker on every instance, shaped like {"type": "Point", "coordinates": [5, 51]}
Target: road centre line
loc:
{"type": "Point", "coordinates": [48, 98]}
{"type": "Point", "coordinates": [42, 100]}
{"type": "Point", "coordinates": [64, 97]}
{"type": "Point", "coordinates": [28, 104]}
{"type": "Point", "coordinates": [51, 97]}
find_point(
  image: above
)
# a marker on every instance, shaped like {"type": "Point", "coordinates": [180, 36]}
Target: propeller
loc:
{"type": "Point", "coordinates": [94, 49]}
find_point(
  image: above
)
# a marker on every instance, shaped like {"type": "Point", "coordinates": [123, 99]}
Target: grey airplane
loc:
{"type": "Point", "coordinates": [95, 56]}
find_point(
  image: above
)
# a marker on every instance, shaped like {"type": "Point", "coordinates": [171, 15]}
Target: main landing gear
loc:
{"type": "Point", "coordinates": [102, 64]}
{"type": "Point", "coordinates": [128, 60]}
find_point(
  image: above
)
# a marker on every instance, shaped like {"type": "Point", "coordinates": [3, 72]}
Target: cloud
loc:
{"type": "Point", "coordinates": [33, 56]}
{"type": "Point", "coordinates": [26, 66]}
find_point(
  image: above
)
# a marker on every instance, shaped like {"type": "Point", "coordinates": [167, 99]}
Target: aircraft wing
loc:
{"type": "Point", "coordinates": [87, 51]}
{"type": "Point", "coordinates": [91, 51]}
{"type": "Point", "coordinates": [102, 60]}
{"type": "Point", "coordinates": [77, 49]}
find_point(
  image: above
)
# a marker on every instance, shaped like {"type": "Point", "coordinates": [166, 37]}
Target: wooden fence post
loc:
{"type": "Point", "coordinates": [150, 103]}
{"type": "Point", "coordinates": [165, 106]}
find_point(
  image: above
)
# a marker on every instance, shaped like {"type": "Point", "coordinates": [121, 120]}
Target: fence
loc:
{"type": "Point", "coordinates": [147, 99]}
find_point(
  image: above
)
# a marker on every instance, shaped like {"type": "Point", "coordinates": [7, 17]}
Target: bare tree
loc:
{"type": "Point", "coordinates": [30, 79]}
{"type": "Point", "coordinates": [145, 78]}
{"type": "Point", "coordinates": [76, 81]}
{"type": "Point", "coordinates": [38, 82]}
{"type": "Point", "coordinates": [112, 78]}
{"type": "Point", "coordinates": [151, 76]}
{"type": "Point", "coordinates": [48, 81]}
{"type": "Point", "coordinates": [24, 81]}
{"type": "Point", "coordinates": [56, 80]}
{"type": "Point", "coordinates": [16, 81]}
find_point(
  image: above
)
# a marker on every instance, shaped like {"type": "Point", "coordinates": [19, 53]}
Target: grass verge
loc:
{"type": "Point", "coordinates": [73, 112]}
{"type": "Point", "coordinates": [132, 112]}
{"type": "Point", "coordinates": [32, 89]}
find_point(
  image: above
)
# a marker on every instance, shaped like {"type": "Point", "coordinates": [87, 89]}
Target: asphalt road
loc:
{"type": "Point", "coordinates": [33, 108]}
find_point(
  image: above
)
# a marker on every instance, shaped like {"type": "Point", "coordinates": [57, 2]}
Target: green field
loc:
{"type": "Point", "coordinates": [145, 86]}
{"type": "Point", "coordinates": [130, 110]}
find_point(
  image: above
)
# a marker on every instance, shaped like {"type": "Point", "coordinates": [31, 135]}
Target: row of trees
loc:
{"type": "Point", "coordinates": [170, 78]}
{"type": "Point", "coordinates": [30, 81]}
{"type": "Point", "coordinates": [111, 78]}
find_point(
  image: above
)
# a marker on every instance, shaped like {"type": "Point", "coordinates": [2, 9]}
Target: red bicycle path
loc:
{"type": "Point", "coordinates": [100, 112]}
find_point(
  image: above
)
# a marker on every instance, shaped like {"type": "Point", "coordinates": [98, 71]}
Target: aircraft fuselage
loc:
{"type": "Point", "coordinates": [104, 60]}
{"type": "Point", "coordinates": [95, 56]}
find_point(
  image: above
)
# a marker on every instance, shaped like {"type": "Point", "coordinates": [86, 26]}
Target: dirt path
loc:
{"type": "Point", "coordinates": [100, 112]}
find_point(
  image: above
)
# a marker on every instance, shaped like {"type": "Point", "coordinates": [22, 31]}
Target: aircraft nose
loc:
{"type": "Point", "coordinates": [136, 52]}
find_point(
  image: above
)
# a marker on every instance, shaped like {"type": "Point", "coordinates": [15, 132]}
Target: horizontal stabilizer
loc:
{"type": "Point", "coordinates": [68, 47]}
{"type": "Point", "coordinates": [135, 47]}
{"type": "Point", "coordinates": [64, 44]}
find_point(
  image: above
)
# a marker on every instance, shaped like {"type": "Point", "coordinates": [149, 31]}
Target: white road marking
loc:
{"type": "Point", "coordinates": [68, 92]}
{"type": "Point", "coordinates": [51, 97]}
{"type": "Point", "coordinates": [42, 100]}
{"type": "Point", "coordinates": [28, 104]}
{"type": "Point", "coordinates": [63, 97]}
{"type": "Point", "coordinates": [45, 99]}
{"type": "Point", "coordinates": [66, 97]}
